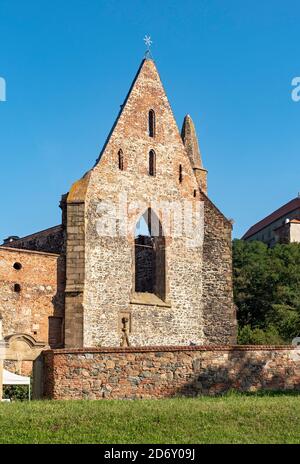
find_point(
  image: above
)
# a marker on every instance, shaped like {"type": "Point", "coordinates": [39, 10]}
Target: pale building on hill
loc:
{"type": "Point", "coordinates": [281, 226]}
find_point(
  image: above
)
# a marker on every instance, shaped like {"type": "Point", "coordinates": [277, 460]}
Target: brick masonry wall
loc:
{"type": "Point", "coordinates": [41, 295]}
{"type": "Point", "coordinates": [157, 372]}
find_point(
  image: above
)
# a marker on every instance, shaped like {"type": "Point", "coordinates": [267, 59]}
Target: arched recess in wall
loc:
{"type": "Point", "coordinates": [150, 255]}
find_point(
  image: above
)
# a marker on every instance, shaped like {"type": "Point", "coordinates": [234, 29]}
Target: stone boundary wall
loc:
{"type": "Point", "coordinates": [158, 372]}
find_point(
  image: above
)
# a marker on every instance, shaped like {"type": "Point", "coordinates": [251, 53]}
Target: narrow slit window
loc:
{"type": "Point", "coordinates": [180, 173]}
{"type": "Point", "coordinates": [151, 123]}
{"type": "Point", "coordinates": [152, 163]}
{"type": "Point", "coordinates": [17, 288]}
{"type": "Point", "coordinates": [121, 160]}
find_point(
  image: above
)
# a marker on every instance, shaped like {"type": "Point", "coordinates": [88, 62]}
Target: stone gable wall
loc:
{"type": "Point", "coordinates": [192, 303]}
{"type": "Point", "coordinates": [158, 372]}
{"type": "Point", "coordinates": [109, 272]}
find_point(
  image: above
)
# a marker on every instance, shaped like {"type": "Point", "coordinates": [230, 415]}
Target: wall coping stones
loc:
{"type": "Point", "coordinates": [143, 349]}
{"type": "Point", "coordinates": [22, 250]}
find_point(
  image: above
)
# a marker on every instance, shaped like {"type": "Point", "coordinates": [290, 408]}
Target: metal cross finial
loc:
{"type": "Point", "coordinates": [148, 42]}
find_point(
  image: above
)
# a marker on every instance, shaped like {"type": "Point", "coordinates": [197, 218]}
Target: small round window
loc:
{"type": "Point", "coordinates": [17, 266]}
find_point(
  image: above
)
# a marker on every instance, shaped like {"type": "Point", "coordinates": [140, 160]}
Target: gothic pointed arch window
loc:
{"type": "Point", "coordinates": [150, 260]}
{"type": "Point", "coordinates": [152, 163]}
{"type": "Point", "coordinates": [121, 160]}
{"type": "Point", "coordinates": [151, 123]}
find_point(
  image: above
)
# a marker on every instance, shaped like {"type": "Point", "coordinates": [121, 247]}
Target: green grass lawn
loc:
{"type": "Point", "coordinates": [228, 419]}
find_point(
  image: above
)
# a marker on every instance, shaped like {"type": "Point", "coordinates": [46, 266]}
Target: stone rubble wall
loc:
{"type": "Point", "coordinates": [50, 241]}
{"type": "Point", "coordinates": [219, 313]}
{"type": "Point", "coordinates": [159, 372]}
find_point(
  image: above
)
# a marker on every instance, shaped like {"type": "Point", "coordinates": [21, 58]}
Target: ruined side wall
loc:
{"type": "Point", "coordinates": [219, 318]}
{"type": "Point", "coordinates": [49, 240]}
{"type": "Point", "coordinates": [160, 372]}
{"type": "Point", "coordinates": [40, 302]}
{"type": "Point", "coordinates": [75, 274]}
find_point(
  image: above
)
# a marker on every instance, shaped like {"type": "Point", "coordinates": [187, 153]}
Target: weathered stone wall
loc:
{"type": "Point", "coordinates": [101, 253]}
{"type": "Point", "coordinates": [75, 274]}
{"type": "Point", "coordinates": [40, 294]}
{"type": "Point", "coordinates": [49, 240]}
{"type": "Point", "coordinates": [110, 259]}
{"type": "Point", "coordinates": [219, 318]}
{"type": "Point", "coordinates": [159, 372]}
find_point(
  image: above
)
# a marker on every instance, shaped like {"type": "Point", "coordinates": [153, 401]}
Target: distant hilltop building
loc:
{"type": "Point", "coordinates": [282, 226]}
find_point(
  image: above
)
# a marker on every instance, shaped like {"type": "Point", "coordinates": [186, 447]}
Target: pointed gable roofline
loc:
{"type": "Point", "coordinates": [121, 110]}
{"type": "Point", "coordinates": [124, 104]}
{"type": "Point", "coordinates": [79, 188]}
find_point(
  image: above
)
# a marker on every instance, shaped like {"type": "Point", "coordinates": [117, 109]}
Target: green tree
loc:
{"type": "Point", "coordinates": [267, 291]}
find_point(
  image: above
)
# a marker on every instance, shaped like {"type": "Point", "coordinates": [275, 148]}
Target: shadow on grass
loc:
{"type": "Point", "coordinates": [260, 393]}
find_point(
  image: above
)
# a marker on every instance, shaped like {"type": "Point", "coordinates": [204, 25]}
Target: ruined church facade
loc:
{"type": "Point", "coordinates": [100, 281]}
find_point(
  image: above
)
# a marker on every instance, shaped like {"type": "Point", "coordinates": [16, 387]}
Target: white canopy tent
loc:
{"type": "Point", "coordinates": [9, 378]}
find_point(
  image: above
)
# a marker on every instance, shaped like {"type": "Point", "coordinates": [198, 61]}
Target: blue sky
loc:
{"type": "Point", "coordinates": [68, 66]}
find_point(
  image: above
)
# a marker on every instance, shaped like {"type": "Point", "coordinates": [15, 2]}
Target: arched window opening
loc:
{"type": "Point", "coordinates": [152, 163]}
{"type": "Point", "coordinates": [121, 160]}
{"type": "Point", "coordinates": [180, 173]}
{"type": "Point", "coordinates": [150, 262]}
{"type": "Point", "coordinates": [151, 123]}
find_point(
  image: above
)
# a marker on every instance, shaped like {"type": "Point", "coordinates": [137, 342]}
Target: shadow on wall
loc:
{"type": "Point", "coordinates": [56, 322]}
{"type": "Point", "coordinates": [243, 371]}
{"type": "Point", "coordinates": [153, 373]}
